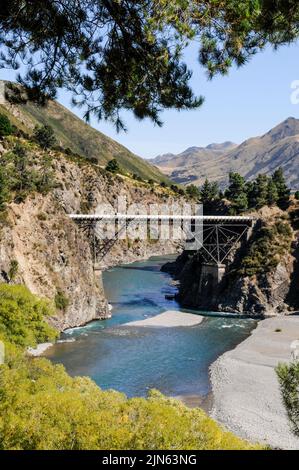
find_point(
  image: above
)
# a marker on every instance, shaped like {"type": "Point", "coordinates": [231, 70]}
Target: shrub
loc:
{"type": "Point", "coordinates": [44, 136]}
{"type": "Point", "coordinates": [6, 127]}
{"type": "Point", "coordinates": [297, 195]}
{"type": "Point", "coordinates": [113, 166]}
{"type": "Point", "coordinates": [22, 316]}
{"type": "Point", "coordinates": [193, 191]}
{"type": "Point", "coordinates": [61, 301]}
{"type": "Point", "coordinates": [13, 270]}
{"type": "Point", "coordinates": [288, 375]}
{"type": "Point", "coordinates": [43, 408]}
{"type": "Point", "coordinates": [4, 190]}
{"type": "Point", "coordinates": [42, 216]}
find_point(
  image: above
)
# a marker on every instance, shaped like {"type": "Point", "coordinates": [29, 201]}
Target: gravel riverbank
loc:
{"type": "Point", "coordinates": [170, 319]}
{"type": "Point", "coordinates": [246, 395]}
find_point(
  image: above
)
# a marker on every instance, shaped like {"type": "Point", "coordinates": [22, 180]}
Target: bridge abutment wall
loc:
{"type": "Point", "coordinates": [210, 278]}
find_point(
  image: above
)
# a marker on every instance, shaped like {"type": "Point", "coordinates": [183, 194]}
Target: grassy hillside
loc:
{"type": "Point", "coordinates": [72, 132]}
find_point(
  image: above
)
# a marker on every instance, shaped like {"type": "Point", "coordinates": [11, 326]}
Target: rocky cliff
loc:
{"type": "Point", "coordinates": [42, 248]}
{"type": "Point", "coordinates": [262, 276]}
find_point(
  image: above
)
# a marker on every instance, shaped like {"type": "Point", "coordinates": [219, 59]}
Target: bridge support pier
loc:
{"type": "Point", "coordinates": [210, 278]}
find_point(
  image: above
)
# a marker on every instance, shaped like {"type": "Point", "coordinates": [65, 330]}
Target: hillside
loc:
{"type": "Point", "coordinates": [72, 132]}
{"type": "Point", "coordinates": [277, 148]}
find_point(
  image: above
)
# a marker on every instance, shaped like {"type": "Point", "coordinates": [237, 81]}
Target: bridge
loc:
{"type": "Point", "coordinates": [215, 237]}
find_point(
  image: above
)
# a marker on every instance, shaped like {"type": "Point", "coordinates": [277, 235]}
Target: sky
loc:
{"type": "Point", "coordinates": [246, 103]}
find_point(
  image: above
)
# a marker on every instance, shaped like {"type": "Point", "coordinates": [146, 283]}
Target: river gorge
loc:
{"type": "Point", "coordinates": [134, 359]}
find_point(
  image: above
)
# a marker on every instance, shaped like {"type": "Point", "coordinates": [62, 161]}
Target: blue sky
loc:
{"type": "Point", "coordinates": [247, 102]}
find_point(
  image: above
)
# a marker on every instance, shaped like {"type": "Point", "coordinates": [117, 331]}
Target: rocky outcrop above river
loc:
{"type": "Point", "coordinates": [262, 276]}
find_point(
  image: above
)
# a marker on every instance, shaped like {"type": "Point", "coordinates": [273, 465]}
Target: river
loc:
{"type": "Point", "coordinates": [135, 359]}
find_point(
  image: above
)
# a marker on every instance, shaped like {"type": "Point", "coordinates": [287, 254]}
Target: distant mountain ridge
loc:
{"type": "Point", "coordinates": [264, 154]}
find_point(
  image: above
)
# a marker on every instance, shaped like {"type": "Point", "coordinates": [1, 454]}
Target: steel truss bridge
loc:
{"type": "Point", "coordinates": [217, 236]}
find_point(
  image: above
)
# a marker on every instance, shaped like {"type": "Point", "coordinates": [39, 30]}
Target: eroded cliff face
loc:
{"type": "Point", "coordinates": [270, 291]}
{"type": "Point", "coordinates": [53, 254]}
{"type": "Point", "coordinates": [53, 257]}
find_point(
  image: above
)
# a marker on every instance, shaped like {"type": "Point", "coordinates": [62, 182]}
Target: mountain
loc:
{"type": "Point", "coordinates": [72, 132]}
{"type": "Point", "coordinates": [264, 154]}
{"type": "Point", "coordinates": [180, 167]}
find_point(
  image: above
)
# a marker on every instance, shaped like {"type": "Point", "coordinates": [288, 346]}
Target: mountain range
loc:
{"type": "Point", "coordinates": [277, 148]}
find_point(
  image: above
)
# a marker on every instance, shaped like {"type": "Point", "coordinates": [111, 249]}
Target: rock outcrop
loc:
{"type": "Point", "coordinates": [269, 289]}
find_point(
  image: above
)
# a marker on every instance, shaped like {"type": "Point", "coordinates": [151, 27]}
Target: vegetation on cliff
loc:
{"type": "Point", "coordinates": [266, 249]}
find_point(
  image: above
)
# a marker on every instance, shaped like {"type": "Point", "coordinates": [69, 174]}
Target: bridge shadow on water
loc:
{"type": "Point", "coordinates": [144, 301]}
{"type": "Point", "coordinates": [154, 268]}
{"type": "Point", "coordinates": [222, 314]}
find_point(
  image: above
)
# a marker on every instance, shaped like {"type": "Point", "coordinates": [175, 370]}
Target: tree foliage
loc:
{"type": "Point", "coordinates": [113, 166]}
{"type": "Point", "coordinates": [21, 174]}
{"type": "Point", "coordinates": [236, 192]}
{"type": "Point", "coordinates": [288, 375]}
{"type": "Point", "coordinates": [283, 192]}
{"type": "Point", "coordinates": [6, 127]}
{"type": "Point", "coordinates": [43, 408]}
{"type": "Point", "coordinates": [117, 54]}
{"type": "Point", "coordinates": [44, 136]}
{"type": "Point", "coordinates": [263, 191]}
{"type": "Point", "coordinates": [4, 192]}
{"type": "Point", "coordinates": [193, 191]}
{"type": "Point", "coordinates": [22, 316]}
{"type": "Point", "coordinates": [208, 192]}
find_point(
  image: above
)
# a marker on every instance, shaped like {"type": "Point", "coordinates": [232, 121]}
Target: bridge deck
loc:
{"type": "Point", "coordinates": [203, 218]}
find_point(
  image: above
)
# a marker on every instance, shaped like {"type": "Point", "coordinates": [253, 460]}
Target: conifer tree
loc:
{"type": "Point", "coordinates": [208, 192]}
{"type": "Point", "coordinates": [193, 191]}
{"type": "Point", "coordinates": [237, 192]}
{"type": "Point", "coordinates": [272, 193]}
{"type": "Point", "coordinates": [282, 188]}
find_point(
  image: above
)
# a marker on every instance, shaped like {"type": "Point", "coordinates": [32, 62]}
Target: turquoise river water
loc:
{"type": "Point", "coordinates": [134, 359]}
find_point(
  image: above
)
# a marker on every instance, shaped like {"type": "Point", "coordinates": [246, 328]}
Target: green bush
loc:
{"type": "Point", "coordinates": [22, 316]}
{"type": "Point", "coordinates": [44, 136]}
{"type": "Point", "coordinates": [22, 174]}
{"type": "Point", "coordinates": [297, 195]}
{"type": "Point", "coordinates": [43, 408]}
{"type": "Point", "coordinates": [288, 375]}
{"type": "Point", "coordinates": [113, 166]}
{"type": "Point", "coordinates": [4, 189]}
{"type": "Point", "coordinates": [61, 301]}
{"type": "Point", "coordinates": [6, 127]}
{"type": "Point", "coordinates": [193, 191]}
{"type": "Point", "coordinates": [13, 269]}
